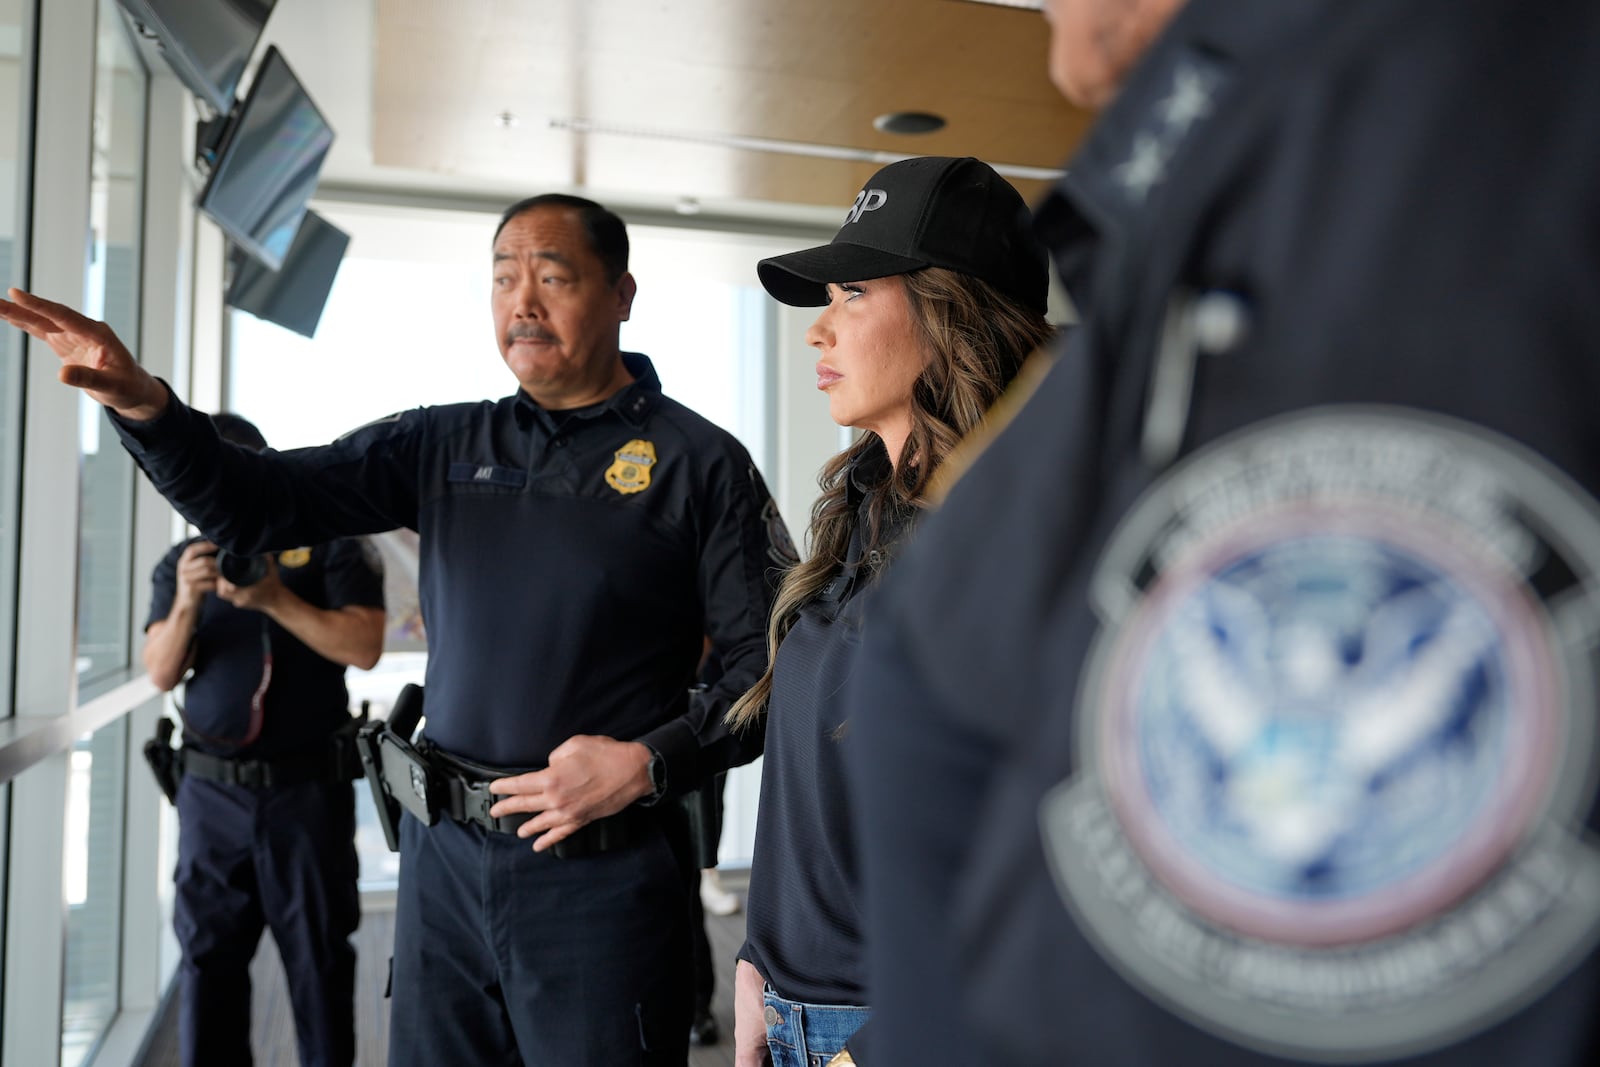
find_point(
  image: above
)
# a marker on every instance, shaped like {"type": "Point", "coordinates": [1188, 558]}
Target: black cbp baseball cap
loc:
{"type": "Point", "coordinates": [932, 211]}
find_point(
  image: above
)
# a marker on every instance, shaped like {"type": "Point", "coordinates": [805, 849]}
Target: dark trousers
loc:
{"type": "Point", "coordinates": [282, 858]}
{"type": "Point", "coordinates": [504, 956]}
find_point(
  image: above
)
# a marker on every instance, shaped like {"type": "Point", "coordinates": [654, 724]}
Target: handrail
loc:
{"type": "Point", "coordinates": [26, 740]}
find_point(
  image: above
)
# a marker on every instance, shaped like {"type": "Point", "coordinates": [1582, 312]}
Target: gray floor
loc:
{"type": "Point", "coordinates": [272, 1023]}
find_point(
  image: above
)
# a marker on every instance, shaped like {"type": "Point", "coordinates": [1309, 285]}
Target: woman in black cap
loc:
{"type": "Point", "coordinates": [933, 292]}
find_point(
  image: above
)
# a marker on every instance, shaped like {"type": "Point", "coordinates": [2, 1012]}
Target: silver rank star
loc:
{"type": "Point", "coordinates": [1145, 167]}
{"type": "Point", "coordinates": [1190, 100]}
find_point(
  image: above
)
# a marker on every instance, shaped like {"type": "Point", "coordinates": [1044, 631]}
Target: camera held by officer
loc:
{"type": "Point", "coordinates": [242, 571]}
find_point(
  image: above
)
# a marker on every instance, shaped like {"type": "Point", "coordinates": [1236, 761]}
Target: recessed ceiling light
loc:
{"type": "Point", "coordinates": [909, 122]}
{"type": "Point", "coordinates": [505, 120]}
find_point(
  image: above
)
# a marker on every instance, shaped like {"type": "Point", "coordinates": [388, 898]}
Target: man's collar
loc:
{"type": "Point", "coordinates": [633, 403]}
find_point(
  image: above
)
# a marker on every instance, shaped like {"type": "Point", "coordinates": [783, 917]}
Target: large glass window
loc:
{"type": "Point", "coordinates": [96, 787]}
{"type": "Point", "coordinates": [702, 317]}
{"type": "Point", "coordinates": [93, 886]}
{"type": "Point", "coordinates": [14, 59]}
{"type": "Point", "coordinates": [105, 549]}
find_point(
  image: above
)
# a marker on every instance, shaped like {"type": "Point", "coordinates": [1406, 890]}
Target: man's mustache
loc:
{"type": "Point", "coordinates": [528, 332]}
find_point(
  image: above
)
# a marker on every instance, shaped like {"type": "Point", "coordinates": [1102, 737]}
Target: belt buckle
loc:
{"type": "Point", "coordinates": [476, 800]}
{"type": "Point", "coordinates": [252, 774]}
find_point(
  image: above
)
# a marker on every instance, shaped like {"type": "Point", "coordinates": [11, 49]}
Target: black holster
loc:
{"type": "Point", "coordinates": [163, 760]}
{"type": "Point", "coordinates": [703, 805]}
{"type": "Point", "coordinates": [399, 776]}
{"type": "Point", "coordinates": [432, 785]}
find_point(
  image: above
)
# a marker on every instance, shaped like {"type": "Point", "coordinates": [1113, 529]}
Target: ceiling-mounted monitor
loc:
{"type": "Point", "coordinates": [267, 164]}
{"type": "Point", "coordinates": [292, 296]}
{"type": "Point", "coordinates": [206, 42]}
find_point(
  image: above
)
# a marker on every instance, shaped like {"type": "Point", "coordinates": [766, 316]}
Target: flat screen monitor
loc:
{"type": "Point", "coordinates": [293, 295]}
{"type": "Point", "coordinates": [206, 42]}
{"type": "Point", "coordinates": [268, 163]}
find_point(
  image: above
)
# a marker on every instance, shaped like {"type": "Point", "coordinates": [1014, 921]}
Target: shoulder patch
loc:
{"type": "Point", "coordinates": [630, 470]}
{"type": "Point", "coordinates": [1335, 737]}
{"type": "Point", "coordinates": [780, 546]}
{"type": "Point", "coordinates": [294, 557]}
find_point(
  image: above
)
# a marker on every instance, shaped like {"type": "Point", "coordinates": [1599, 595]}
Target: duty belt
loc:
{"type": "Point", "coordinates": [466, 799]}
{"type": "Point", "coordinates": [336, 761]}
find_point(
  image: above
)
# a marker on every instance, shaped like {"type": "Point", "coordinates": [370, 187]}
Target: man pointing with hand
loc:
{"type": "Point", "coordinates": [580, 540]}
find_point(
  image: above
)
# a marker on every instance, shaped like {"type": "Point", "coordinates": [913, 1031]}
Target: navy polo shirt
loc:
{"type": "Point", "coordinates": [572, 561]}
{"type": "Point", "coordinates": [305, 698]}
{"type": "Point", "coordinates": [805, 931]}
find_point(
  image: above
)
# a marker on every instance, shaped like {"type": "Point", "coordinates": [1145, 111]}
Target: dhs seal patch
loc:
{"type": "Point", "coordinates": [1336, 737]}
{"type": "Point", "coordinates": [630, 469]}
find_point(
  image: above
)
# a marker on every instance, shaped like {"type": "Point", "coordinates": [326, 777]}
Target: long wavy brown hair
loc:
{"type": "Point", "coordinates": [976, 338]}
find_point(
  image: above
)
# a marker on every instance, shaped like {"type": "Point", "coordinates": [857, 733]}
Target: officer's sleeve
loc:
{"type": "Point", "coordinates": [249, 502]}
{"type": "Point", "coordinates": [918, 779]}
{"type": "Point", "coordinates": [744, 550]}
{"type": "Point", "coordinates": [353, 575]}
{"type": "Point", "coordinates": [164, 585]}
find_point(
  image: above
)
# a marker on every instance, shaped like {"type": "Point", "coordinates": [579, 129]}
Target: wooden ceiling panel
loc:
{"type": "Point", "coordinates": [815, 74]}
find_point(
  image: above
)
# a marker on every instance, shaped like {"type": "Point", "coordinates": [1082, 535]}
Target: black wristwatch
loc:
{"type": "Point", "coordinates": [657, 770]}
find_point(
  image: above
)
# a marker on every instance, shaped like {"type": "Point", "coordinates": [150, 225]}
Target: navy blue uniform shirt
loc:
{"type": "Point", "coordinates": [804, 930]}
{"type": "Point", "coordinates": [305, 698]}
{"type": "Point", "coordinates": [1238, 707]}
{"type": "Point", "coordinates": [572, 561]}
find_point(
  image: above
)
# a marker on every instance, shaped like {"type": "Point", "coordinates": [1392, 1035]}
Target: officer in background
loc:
{"type": "Point", "coordinates": [1238, 707]}
{"type": "Point", "coordinates": [266, 814]}
{"type": "Point", "coordinates": [580, 538]}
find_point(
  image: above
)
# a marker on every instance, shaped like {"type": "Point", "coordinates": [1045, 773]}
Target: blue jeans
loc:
{"type": "Point", "coordinates": [808, 1035]}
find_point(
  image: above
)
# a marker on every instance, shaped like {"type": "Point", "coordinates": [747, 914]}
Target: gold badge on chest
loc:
{"type": "Point", "coordinates": [630, 470]}
{"type": "Point", "coordinates": [294, 557]}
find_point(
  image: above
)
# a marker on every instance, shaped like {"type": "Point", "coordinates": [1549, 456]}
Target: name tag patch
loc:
{"type": "Point", "coordinates": [488, 474]}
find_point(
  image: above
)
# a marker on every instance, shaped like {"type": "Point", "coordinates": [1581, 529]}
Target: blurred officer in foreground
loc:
{"type": "Point", "coordinates": [266, 815]}
{"type": "Point", "coordinates": [580, 540]}
{"type": "Point", "coordinates": [1238, 707]}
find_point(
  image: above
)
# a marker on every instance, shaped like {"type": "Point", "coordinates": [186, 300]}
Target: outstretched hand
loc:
{"type": "Point", "coordinates": [92, 357]}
